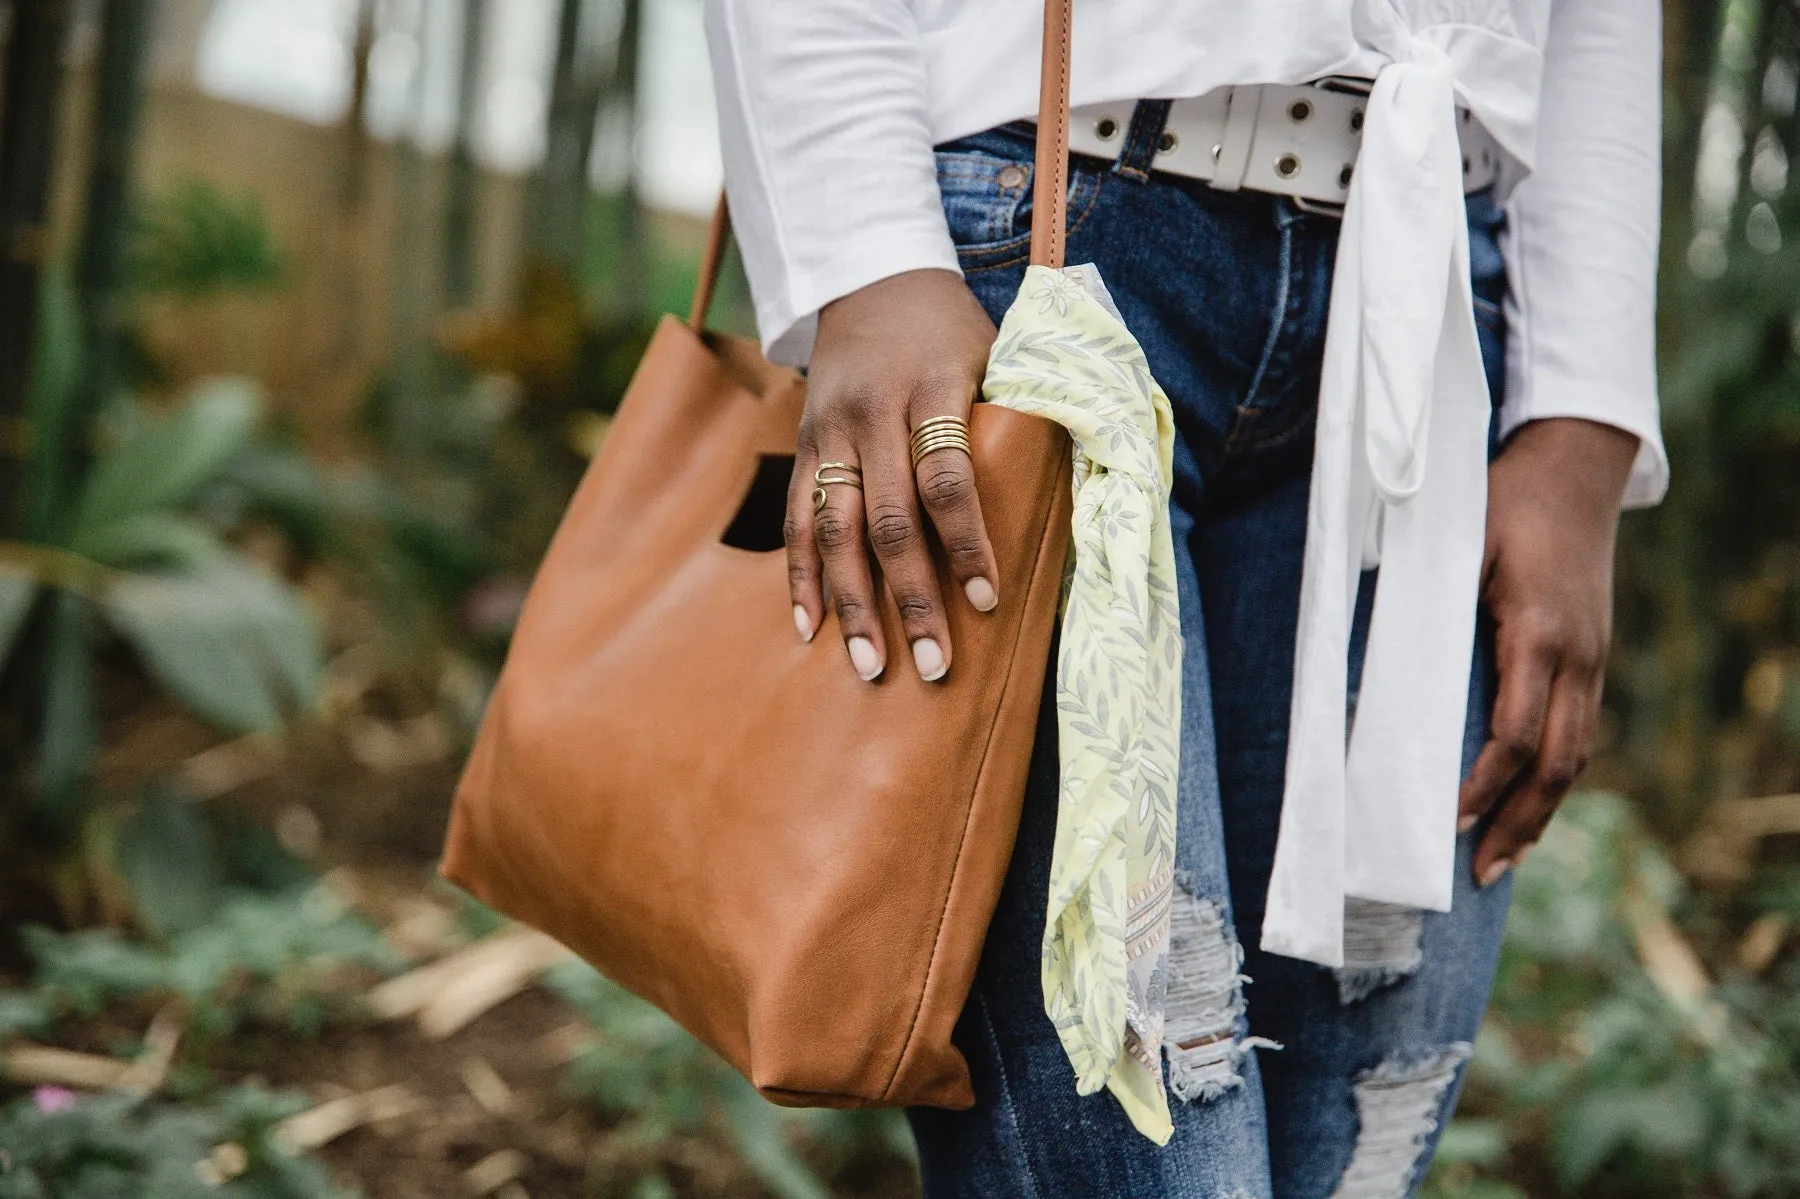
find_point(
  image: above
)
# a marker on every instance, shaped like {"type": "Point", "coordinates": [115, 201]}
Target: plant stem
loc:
{"type": "Point", "coordinates": [100, 272]}
{"type": "Point", "coordinates": [459, 214]}
{"type": "Point", "coordinates": [28, 117]}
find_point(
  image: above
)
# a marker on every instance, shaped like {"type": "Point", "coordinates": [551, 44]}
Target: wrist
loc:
{"type": "Point", "coordinates": [1587, 461]}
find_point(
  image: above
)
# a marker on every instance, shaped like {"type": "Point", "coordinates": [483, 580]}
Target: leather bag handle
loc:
{"type": "Point", "coordinates": [1050, 182]}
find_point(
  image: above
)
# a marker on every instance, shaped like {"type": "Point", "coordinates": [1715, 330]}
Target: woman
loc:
{"type": "Point", "coordinates": [879, 176]}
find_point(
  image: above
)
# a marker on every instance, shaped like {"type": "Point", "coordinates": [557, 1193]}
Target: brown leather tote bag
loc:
{"type": "Point", "coordinates": [798, 866]}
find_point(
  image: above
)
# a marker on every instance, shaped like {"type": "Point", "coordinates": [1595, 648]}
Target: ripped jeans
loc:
{"type": "Point", "coordinates": [1227, 292]}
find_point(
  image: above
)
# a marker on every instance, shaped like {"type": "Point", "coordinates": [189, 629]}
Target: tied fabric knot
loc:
{"type": "Point", "coordinates": [1064, 354]}
{"type": "Point", "coordinates": [1400, 480]}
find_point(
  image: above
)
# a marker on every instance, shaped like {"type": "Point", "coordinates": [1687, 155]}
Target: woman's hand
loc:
{"type": "Point", "coordinates": [1553, 513]}
{"type": "Point", "coordinates": [887, 357]}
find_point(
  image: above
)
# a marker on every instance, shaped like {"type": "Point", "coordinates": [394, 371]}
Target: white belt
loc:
{"type": "Point", "coordinates": [1300, 141]}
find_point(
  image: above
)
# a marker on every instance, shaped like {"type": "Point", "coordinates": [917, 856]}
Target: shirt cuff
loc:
{"type": "Point", "coordinates": [788, 318]}
{"type": "Point", "coordinates": [1585, 400]}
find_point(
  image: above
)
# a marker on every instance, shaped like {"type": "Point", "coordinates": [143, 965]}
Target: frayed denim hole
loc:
{"type": "Point", "coordinates": [1381, 947]}
{"type": "Point", "coordinates": [1397, 1109]}
{"type": "Point", "coordinates": [1205, 1000]}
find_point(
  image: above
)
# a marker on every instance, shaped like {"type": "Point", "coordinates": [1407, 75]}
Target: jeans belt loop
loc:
{"type": "Point", "coordinates": [1231, 153]}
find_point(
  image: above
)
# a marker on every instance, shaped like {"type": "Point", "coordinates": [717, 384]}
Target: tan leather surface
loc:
{"type": "Point", "coordinates": [796, 865]}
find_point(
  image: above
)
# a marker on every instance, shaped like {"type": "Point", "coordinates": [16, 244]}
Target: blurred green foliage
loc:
{"type": "Point", "coordinates": [193, 240]}
{"type": "Point", "coordinates": [54, 1145]}
{"type": "Point", "coordinates": [642, 1069]}
{"type": "Point", "coordinates": [1603, 1054]}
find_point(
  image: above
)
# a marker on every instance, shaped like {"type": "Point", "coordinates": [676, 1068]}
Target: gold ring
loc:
{"type": "Point", "coordinates": [819, 474]}
{"type": "Point", "coordinates": [935, 444]}
{"type": "Point", "coordinates": [940, 433]}
{"type": "Point", "coordinates": [819, 493]}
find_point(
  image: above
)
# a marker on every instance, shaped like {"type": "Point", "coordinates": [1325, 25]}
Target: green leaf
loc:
{"type": "Point", "coordinates": [86, 969]}
{"type": "Point", "coordinates": [55, 372]}
{"type": "Point", "coordinates": [17, 591]}
{"type": "Point", "coordinates": [170, 862]}
{"type": "Point", "coordinates": [164, 463]}
{"type": "Point", "coordinates": [23, 1013]}
{"type": "Point", "coordinates": [71, 728]}
{"type": "Point", "coordinates": [150, 540]}
{"type": "Point", "coordinates": [761, 1133]}
{"type": "Point", "coordinates": [236, 646]}
{"type": "Point", "coordinates": [193, 240]}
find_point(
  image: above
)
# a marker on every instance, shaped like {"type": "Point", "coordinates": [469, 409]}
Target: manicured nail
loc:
{"type": "Point", "coordinates": [929, 658]}
{"type": "Point", "coordinates": [803, 622]}
{"type": "Point", "coordinates": [981, 594]}
{"type": "Point", "coordinates": [1495, 870]}
{"type": "Point", "coordinates": [1463, 823]}
{"type": "Point", "coordinates": [864, 658]}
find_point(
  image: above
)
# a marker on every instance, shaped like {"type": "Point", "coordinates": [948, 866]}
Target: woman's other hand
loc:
{"type": "Point", "coordinates": [1553, 516]}
{"type": "Point", "coordinates": [888, 357]}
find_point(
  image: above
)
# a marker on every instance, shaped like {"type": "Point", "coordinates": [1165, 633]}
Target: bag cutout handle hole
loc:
{"type": "Point", "coordinates": [757, 525]}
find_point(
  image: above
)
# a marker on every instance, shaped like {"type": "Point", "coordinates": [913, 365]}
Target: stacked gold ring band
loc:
{"type": "Point", "coordinates": [940, 433]}
{"type": "Point", "coordinates": [823, 478]}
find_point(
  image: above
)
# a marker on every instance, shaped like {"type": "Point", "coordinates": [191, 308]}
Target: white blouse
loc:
{"type": "Point", "coordinates": [829, 110]}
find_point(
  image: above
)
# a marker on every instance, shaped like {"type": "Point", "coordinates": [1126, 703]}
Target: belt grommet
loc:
{"type": "Point", "coordinates": [1344, 177]}
{"type": "Point", "coordinates": [1356, 120]}
{"type": "Point", "coordinates": [1168, 141]}
{"type": "Point", "coordinates": [1287, 166]}
{"type": "Point", "coordinates": [1299, 110]}
{"type": "Point", "coordinates": [1106, 128]}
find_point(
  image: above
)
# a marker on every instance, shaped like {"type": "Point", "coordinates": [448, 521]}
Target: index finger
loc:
{"type": "Point", "coordinates": [1568, 739]}
{"type": "Point", "coordinates": [804, 571]}
{"type": "Point", "coordinates": [1527, 662]}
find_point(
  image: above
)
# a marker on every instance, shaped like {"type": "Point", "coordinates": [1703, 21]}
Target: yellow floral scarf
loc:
{"type": "Point", "coordinates": [1064, 354]}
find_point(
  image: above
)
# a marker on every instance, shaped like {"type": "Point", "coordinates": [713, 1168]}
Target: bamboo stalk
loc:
{"type": "Point", "coordinates": [459, 212]}
{"type": "Point", "coordinates": [29, 107]}
{"type": "Point", "coordinates": [101, 269]}
{"type": "Point", "coordinates": [560, 187]}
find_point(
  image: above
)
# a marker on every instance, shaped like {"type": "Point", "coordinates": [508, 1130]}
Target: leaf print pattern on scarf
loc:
{"type": "Point", "coordinates": [1064, 354]}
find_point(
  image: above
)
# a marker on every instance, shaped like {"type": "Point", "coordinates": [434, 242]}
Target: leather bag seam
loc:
{"type": "Point", "coordinates": [986, 757]}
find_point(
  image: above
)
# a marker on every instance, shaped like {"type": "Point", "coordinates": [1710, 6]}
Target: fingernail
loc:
{"type": "Point", "coordinates": [1463, 823]}
{"type": "Point", "coordinates": [981, 594]}
{"type": "Point", "coordinates": [929, 658]}
{"type": "Point", "coordinates": [864, 658]}
{"type": "Point", "coordinates": [1495, 870]}
{"type": "Point", "coordinates": [1519, 858]}
{"type": "Point", "coordinates": [803, 622]}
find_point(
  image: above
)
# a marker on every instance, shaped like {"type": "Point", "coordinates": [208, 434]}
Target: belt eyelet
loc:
{"type": "Point", "coordinates": [1106, 128]}
{"type": "Point", "coordinates": [1167, 142]}
{"type": "Point", "coordinates": [1299, 110]}
{"type": "Point", "coordinates": [1287, 166]}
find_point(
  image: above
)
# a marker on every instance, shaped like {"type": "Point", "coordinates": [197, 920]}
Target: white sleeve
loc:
{"type": "Point", "coordinates": [1582, 235]}
{"type": "Point", "coordinates": [823, 119]}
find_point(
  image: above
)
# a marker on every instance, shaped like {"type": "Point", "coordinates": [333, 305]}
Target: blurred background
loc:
{"type": "Point", "coordinates": [311, 314]}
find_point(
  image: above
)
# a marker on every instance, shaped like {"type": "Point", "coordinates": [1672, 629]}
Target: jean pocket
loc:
{"type": "Point", "coordinates": [982, 197]}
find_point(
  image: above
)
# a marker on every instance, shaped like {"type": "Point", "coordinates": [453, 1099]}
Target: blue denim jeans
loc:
{"type": "Point", "coordinates": [1227, 292]}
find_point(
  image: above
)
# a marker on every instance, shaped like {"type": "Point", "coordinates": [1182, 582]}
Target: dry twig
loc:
{"type": "Point", "coordinates": [449, 993]}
